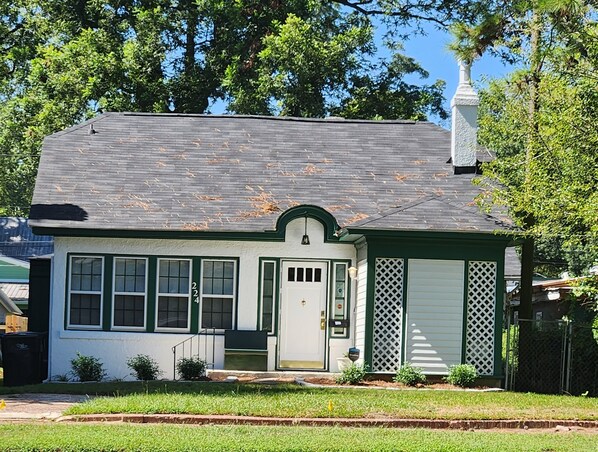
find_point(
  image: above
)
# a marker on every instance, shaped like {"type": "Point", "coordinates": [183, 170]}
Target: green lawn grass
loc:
{"type": "Point", "coordinates": [85, 437]}
{"type": "Point", "coordinates": [288, 400]}
{"type": "Point", "coordinates": [296, 401]}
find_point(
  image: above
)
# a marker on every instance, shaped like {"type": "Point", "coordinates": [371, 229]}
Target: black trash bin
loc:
{"type": "Point", "coordinates": [25, 358]}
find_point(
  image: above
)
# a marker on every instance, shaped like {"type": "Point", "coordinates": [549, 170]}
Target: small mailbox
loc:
{"type": "Point", "coordinates": [338, 323]}
{"type": "Point", "coordinates": [353, 354]}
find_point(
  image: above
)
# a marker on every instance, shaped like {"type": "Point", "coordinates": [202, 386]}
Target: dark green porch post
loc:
{"type": "Point", "coordinates": [526, 356]}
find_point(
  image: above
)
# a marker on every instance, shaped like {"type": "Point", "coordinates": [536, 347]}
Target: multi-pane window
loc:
{"type": "Point", "coordinates": [304, 274]}
{"type": "Point", "coordinates": [174, 293]}
{"type": "Point", "coordinates": [268, 284]}
{"type": "Point", "coordinates": [217, 293]}
{"type": "Point", "coordinates": [85, 291]}
{"type": "Point", "coordinates": [129, 293]}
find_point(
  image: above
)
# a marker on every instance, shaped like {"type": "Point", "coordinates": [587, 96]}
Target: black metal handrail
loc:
{"type": "Point", "coordinates": [185, 349]}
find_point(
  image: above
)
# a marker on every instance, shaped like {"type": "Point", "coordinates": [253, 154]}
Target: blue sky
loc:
{"type": "Point", "coordinates": [432, 53]}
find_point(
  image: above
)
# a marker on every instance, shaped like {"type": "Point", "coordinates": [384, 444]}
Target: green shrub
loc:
{"type": "Point", "coordinates": [462, 375]}
{"type": "Point", "coordinates": [63, 378]}
{"type": "Point", "coordinates": [410, 375]}
{"type": "Point", "coordinates": [352, 375]}
{"type": "Point", "coordinates": [144, 368]}
{"type": "Point", "coordinates": [87, 368]}
{"type": "Point", "coordinates": [191, 368]}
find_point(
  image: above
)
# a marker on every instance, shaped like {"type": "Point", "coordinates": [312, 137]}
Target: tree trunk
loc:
{"type": "Point", "coordinates": [526, 352]}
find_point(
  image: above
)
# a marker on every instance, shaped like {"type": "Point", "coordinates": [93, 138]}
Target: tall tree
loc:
{"type": "Point", "coordinates": [62, 61]}
{"type": "Point", "coordinates": [548, 184]}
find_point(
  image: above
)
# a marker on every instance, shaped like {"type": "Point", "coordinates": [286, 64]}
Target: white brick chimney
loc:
{"type": "Point", "coordinates": [464, 128]}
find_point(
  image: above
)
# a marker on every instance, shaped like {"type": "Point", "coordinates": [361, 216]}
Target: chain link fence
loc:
{"type": "Point", "coordinates": [552, 357]}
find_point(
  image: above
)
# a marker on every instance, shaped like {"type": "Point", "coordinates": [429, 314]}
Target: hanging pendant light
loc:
{"type": "Point", "coordinates": [305, 238]}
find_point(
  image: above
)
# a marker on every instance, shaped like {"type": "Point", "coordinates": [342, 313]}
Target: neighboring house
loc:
{"type": "Point", "coordinates": [18, 245]}
{"type": "Point", "coordinates": [13, 270]}
{"type": "Point", "coordinates": [18, 242]}
{"type": "Point", "coordinates": [17, 292]}
{"type": "Point", "coordinates": [551, 299]}
{"type": "Point", "coordinates": [325, 234]}
{"type": "Point", "coordinates": [7, 307]}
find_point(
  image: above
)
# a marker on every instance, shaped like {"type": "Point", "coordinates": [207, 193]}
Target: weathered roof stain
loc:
{"type": "Point", "coordinates": [239, 173]}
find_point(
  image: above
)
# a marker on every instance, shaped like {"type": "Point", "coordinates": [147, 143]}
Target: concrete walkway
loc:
{"type": "Point", "coordinates": [37, 406]}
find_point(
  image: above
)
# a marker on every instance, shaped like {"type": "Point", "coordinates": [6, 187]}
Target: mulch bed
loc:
{"type": "Point", "coordinates": [329, 380]}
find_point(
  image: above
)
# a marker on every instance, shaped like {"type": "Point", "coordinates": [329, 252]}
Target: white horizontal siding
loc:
{"type": "Point", "coordinates": [434, 314]}
{"type": "Point", "coordinates": [362, 277]}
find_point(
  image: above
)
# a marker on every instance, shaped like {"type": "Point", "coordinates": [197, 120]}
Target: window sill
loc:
{"type": "Point", "coordinates": [172, 330]}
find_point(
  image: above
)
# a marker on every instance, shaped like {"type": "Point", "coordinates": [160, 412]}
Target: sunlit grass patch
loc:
{"type": "Point", "coordinates": [110, 437]}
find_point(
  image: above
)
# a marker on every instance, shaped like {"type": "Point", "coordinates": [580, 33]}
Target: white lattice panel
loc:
{"type": "Point", "coordinates": [388, 315]}
{"type": "Point", "coordinates": [481, 306]}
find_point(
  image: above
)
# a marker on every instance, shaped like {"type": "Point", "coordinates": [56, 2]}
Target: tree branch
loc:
{"type": "Point", "coordinates": [17, 27]}
{"type": "Point", "coordinates": [403, 12]}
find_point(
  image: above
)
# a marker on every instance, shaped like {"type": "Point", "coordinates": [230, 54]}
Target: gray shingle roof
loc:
{"type": "Point", "coordinates": [239, 173]}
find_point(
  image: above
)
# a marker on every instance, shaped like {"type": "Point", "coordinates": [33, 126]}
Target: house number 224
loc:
{"type": "Point", "coordinates": [195, 292]}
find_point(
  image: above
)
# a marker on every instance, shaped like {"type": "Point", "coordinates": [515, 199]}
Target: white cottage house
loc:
{"type": "Point", "coordinates": [293, 238]}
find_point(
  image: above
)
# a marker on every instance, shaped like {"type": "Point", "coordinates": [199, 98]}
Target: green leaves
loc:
{"type": "Point", "coordinates": [300, 65]}
{"type": "Point", "coordinates": [562, 176]}
{"type": "Point", "coordinates": [541, 122]}
{"type": "Point", "coordinates": [62, 62]}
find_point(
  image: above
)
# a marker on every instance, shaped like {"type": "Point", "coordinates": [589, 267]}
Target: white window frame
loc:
{"type": "Point", "coordinates": [161, 294]}
{"type": "Point", "coordinates": [84, 292]}
{"type": "Point", "coordinates": [115, 293]}
{"type": "Point", "coordinates": [232, 297]}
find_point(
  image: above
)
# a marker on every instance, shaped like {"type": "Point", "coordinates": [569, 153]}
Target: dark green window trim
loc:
{"type": "Point", "coordinates": [340, 333]}
{"type": "Point", "coordinates": [195, 295]}
{"type": "Point", "coordinates": [108, 269]}
{"type": "Point", "coordinates": [152, 262]}
{"type": "Point", "coordinates": [152, 282]}
{"type": "Point", "coordinates": [275, 292]}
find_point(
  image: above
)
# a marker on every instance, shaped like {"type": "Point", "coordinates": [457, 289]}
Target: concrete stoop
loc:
{"type": "Point", "coordinates": [458, 424]}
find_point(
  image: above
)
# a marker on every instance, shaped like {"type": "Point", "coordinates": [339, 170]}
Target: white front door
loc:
{"type": "Point", "coordinates": [303, 315]}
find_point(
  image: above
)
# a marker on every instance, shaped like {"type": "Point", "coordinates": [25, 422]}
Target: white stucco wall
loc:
{"type": "Point", "coordinates": [113, 348]}
{"type": "Point", "coordinates": [464, 107]}
{"type": "Point", "coordinates": [464, 137]}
